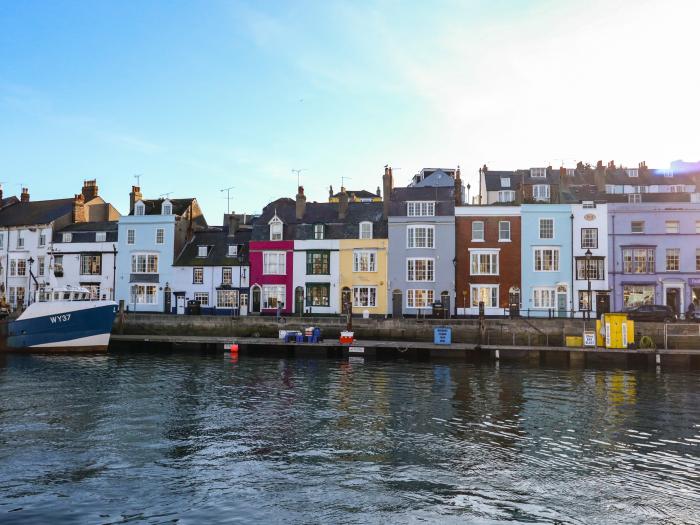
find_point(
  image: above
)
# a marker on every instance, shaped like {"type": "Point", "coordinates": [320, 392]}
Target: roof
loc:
{"type": "Point", "coordinates": [218, 241]}
{"type": "Point", "coordinates": [360, 194]}
{"type": "Point", "coordinates": [101, 226]}
{"type": "Point", "coordinates": [154, 206]}
{"type": "Point", "coordinates": [434, 177]}
{"type": "Point", "coordinates": [35, 212]}
{"type": "Point", "coordinates": [443, 196]}
{"type": "Point", "coordinates": [325, 213]}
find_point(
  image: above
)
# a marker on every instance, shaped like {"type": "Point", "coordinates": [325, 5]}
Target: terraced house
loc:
{"type": "Point", "coordinates": [422, 241]}
{"type": "Point", "coordinates": [150, 237]}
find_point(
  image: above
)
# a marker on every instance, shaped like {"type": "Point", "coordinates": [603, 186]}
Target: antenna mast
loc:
{"type": "Point", "coordinates": [228, 198]}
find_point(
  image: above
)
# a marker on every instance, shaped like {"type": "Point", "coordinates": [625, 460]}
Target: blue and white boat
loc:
{"type": "Point", "coordinates": [61, 319]}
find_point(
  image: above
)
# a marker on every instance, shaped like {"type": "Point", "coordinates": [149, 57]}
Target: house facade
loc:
{"type": "Point", "coordinates": [213, 269]}
{"type": "Point", "coordinates": [654, 254]}
{"type": "Point", "coordinates": [546, 273]}
{"type": "Point", "coordinates": [421, 226]}
{"type": "Point", "coordinates": [148, 240]}
{"type": "Point", "coordinates": [590, 253]}
{"type": "Point", "coordinates": [488, 262]}
{"type": "Point", "coordinates": [85, 254]}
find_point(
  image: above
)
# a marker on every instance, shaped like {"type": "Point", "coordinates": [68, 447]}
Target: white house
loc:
{"type": "Point", "coordinates": [213, 269]}
{"type": "Point", "coordinates": [590, 253]}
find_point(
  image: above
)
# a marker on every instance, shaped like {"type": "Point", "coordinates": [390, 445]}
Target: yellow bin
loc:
{"type": "Point", "coordinates": [614, 331]}
{"type": "Point", "coordinates": [574, 341]}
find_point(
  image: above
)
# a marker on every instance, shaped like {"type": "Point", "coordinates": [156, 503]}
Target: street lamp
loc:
{"type": "Point", "coordinates": [588, 278]}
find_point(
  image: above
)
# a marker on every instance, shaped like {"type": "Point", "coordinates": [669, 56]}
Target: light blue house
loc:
{"type": "Point", "coordinates": [546, 259]}
{"type": "Point", "coordinates": [152, 235]}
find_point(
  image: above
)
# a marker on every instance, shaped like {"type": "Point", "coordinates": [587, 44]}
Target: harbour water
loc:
{"type": "Point", "coordinates": [206, 438]}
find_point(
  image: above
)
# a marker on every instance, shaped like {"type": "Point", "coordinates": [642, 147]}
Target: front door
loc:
{"type": "Point", "coordinates": [180, 304]}
{"type": "Point", "coordinates": [244, 304]}
{"type": "Point", "coordinates": [561, 304]}
{"type": "Point", "coordinates": [346, 300]}
{"type": "Point", "coordinates": [255, 307]}
{"type": "Point", "coordinates": [396, 304]}
{"type": "Point", "coordinates": [167, 303]}
{"type": "Point", "coordinates": [673, 299]}
{"type": "Point", "coordinates": [445, 300]}
{"type": "Point", "coordinates": [299, 300]}
{"type": "Point", "coordinates": [602, 304]}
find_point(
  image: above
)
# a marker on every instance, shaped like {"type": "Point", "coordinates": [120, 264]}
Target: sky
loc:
{"type": "Point", "coordinates": [198, 96]}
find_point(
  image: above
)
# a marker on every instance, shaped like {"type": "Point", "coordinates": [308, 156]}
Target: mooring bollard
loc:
{"type": "Point", "coordinates": [497, 355]}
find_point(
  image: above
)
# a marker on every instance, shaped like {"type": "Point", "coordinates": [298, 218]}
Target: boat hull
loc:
{"type": "Point", "coordinates": [76, 328]}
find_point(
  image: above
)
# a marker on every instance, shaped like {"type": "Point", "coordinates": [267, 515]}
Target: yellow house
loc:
{"type": "Point", "coordinates": [363, 275]}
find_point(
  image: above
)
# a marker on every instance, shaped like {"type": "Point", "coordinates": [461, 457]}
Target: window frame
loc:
{"type": "Point", "coordinates": [428, 270]}
{"type": "Point", "coordinates": [539, 229]}
{"type": "Point", "coordinates": [411, 236]}
{"type": "Point", "coordinates": [474, 298]}
{"type": "Point", "coordinates": [160, 235]}
{"type": "Point", "coordinates": [309, 296]}
{"type": "Point", "coordinates": [556, 260]}
{"type": "Point", "coordinates": [324, 263]}
{"type": "Point", "coordinates": [371, 296]}
{"type": "Point", "coordinates": [500, 232]}
{"type": "Point", "coordinates": [195, 296]}
{"type": "Point", "coordinates": [551, 296]}
{"type": "Point", "coordinates": [493, 264]}
{"type": "Point", "coordinates": [280, 296]}
{"type": "Point", "coordinates": [98, 259]}
{"type": "Point", "coordinates": [640, 224]}
{"type": "Point", "coordinates": [280, 265]}
{"type": "Point", "coordinates": [411, 296]}
{"type": "Point", "coordinates": [595, 238]}
{"type": "Point", "coordinates": [362, 235]}
{"type": "Point", "coordinates": [675, 255]}
{"type": "Point", "coordinates": [475, 230]}
{"type": "Point", "coordinates": [538, 190]}
{"type": "Point", "coordinates": [674, 225]}
{"type": "Point", "coordinates": [319, 232]}
{"type": "Point", "coordinates": [357, 255]}
{"type": "Point", "coordinates": [420, 208]}
{"type": "Point", "coordinates": [130, 236]}
{"type": "Point", "coordinates": [630, 264]}
{"type": "Point", "coordinates": [149, 268]}
{"type": "Point", "coordinates": [198, 275]}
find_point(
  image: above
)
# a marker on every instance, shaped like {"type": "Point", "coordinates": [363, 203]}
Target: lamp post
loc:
{"type": "Point", "coordinates": [469, 187]}
{"type": "Point", "coordinates": [588, 278]}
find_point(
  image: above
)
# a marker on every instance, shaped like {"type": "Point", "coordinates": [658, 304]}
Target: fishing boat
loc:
{"type": "Point", "coordinates": [60, 319]}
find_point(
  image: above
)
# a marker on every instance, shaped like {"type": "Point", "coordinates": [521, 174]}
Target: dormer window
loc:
{"type": "Point", "coordinates": [139, 208]}
{"type": "Point", "coordinates": [67, 237]}
{"type": "Point", "coordinates": [100, 236]}
{"type": "Point", "coordinates": [365, 230]}
{"type": "Point", "coordinates": [540, 192]}
{"type": "Point", "coordinates": [505, 182]}
{"type": "Point", "coordinates": [232, 250]}
{"type": "Point", "coordinates": [167, 208]}
{"type": "Point", "coordinates": [570, 172]}
{"type": "Point", "coordinates": [668, 173]}
{"type": "Point", "coordinates": [633, 172]}
{"type": "Point", "coordinates": [538, 172]}
{"type": "Point", "coordinates": [202, 251]}
{"type": "Point", "coordinates": [276, 228]}
{"type": "Point", "coordinates": [420, 208]}
{"type": "Point", "coordinates": [318, 231]}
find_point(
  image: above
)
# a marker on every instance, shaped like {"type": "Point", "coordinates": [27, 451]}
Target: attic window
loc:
{"type": "Point", "coordinates": [634, 198]}
{"type": "Point", "coordinates": [67, 237]}
{"type": "Point", "coordinates": [505, 182]}
{"type": "Point", "coordinates": [633, 172]}
{"type": "Point", "coordinates": [140, 209]}
{"type": "Point", "coordinates": [276, 230]}
{"type": "Point", "coordinates": [570, 172]}
{"type": "Point", "coordinates": [167, 209]}
{"type": "Point", "coordinates": [365, 230]}
{"type": "Point", "coordinates": [202, 251]}
{"type": "Point", "coordinates": [668, 173]}
{"type": "Point", "coordinates": [588, 204]}
{"type": "Point", "coordinates": [538, 172]}
{"type": "Point", "coordinates": [232, 250]}
{"type": "Point", "coordinates": [100, 236]}
{"type": "Point", "coordinates": [318, 231]}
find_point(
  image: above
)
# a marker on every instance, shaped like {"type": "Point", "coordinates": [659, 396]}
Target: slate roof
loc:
{"type": "Point", "coordinates": [493, 180]}
{"type": "Point", "coordinates": [321, 213]}
{"type": "Point", "coordinates": [87, 232]}
{"type": "Point", "coordinates": [443, 196]}
{"type": "Point", "coordinates": [360, 194]}
{"type": "Point", "coordinates": [154, 206]}
{"type": "Point", "coordinates": [35, 212]}
{"type": "Point", "coordinates": [218, 240]}
{"type": "Point", "coordinates": [437, 177]}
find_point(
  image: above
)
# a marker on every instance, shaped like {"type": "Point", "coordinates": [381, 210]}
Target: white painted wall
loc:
{"type": "Point", "coordinates": [590, 218]}
{"type": "Point", "coordinates": [31, 249]}
{"type": "Point", "coordinates": [300, 277]}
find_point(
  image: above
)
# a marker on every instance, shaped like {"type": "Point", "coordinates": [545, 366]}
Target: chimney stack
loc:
{"type": "Point", "coordinates": [458, 188]}
{"type": "Point", "coordinates": [330, 193]}
{"type": "Point", "coordinates": [599, 176]}
{"type": "Point", "coordinates": [24, 197]}
{"type": "Point", "coordinates": [388, 183]}
{"type": "Point", "coordinates": [90, 190]}
{"type": "Point", "coordinates": [342, 204]}
{"type": "Point", "coordinates": [301, 203]}
{"type": "Point", "coordinates": [134, 196]}
{"type": "Point", "coordinates": [232, 221]}
{"type": "Point", "coordinates": [379, 191]}
{"type": "Point", "coordinates": [0, 193]}
{"type": "Point", "coordinates": [78, 214]}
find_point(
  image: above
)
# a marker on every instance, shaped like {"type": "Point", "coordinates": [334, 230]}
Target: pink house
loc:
{"type": "Point", "coordinates": [271, 276]}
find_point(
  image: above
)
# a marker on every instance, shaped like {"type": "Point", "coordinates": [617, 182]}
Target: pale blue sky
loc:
{"type": "Point", "coordinates": [198, 96]}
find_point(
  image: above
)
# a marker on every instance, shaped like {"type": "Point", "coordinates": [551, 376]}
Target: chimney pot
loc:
{"type": "Point", "coordinates": [300, 204]}
{"type": "Point", "coordinates": [78, 214]}
{"type": "Point", "coordinates": [90, 190]}
{"type": "Point", "coordinates": [24, 197]}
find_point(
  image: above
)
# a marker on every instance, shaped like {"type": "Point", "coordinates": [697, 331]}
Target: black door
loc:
{"type": "Point", "coordinates": [346, 300]}
{"type": "Point", "coordinates": [396, 304]}
{"type": "Point", "coordinates": [299, 300]}
{"type": "Point", "coordinates": [255, 300]}
{"type": "Point", "coordinates": [602, 304]}
{"type": "Point", "coordinates": [445, 300]}
{"type": "Point", "coordinates": [673, 299]}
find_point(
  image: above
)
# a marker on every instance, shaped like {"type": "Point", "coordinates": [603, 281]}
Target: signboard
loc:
{"type": "Point", "coordinates": [694, 281]}
{"type": "Point", "coordinates": [589, 217]}
{"type": "Point", "coordinates": [589, 338]}
{"type": "Point", "coordinates": [357, 350]}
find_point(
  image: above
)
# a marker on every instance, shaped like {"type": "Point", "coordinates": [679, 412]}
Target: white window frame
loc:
{"type": "Point", "coordinates": [634, 198]}
{"type": "Point", "coordinates": [419, 298]}
{"type": "Point", "coordinates": [100, 236]}
{"type": "Point", "coordinates": [492, 264]}
{"type": "Point", "coordinates": [674, 253]}
{"type": "Point", "coordinates": [541, 192]}
{"type": "Point", "coordinates": [556, 258]}
{"type": "Point", "coordinates": [506, 196]}
{"type": "Point", "coordinates": [67, 237]}
{"type": "Point", "coordinates": [198, 296]}
{"type": "Point", "coordinates": [42, 239]}
{"type": "Point", "coordinates": [505, 182]}
{"type": "Point", "coordinates": [166, 208]}
{"type": "Point", "coordinates": [501, 238]}
{"type": "Point", "coordinates": [538, 294]}
{"type": "Point", "coordinates": [673, 227]}
{"type": "Point", "coordinates": [366, 230]}
{"type": "Point", "coordinates": [130, 236]}
{"type": "Point", "coordinates": [420, 208]}
{"type": "Point", "coordinates": [429, 236]}
{"type": "Point", "coordinates": [539, 227]}
{"type": "Point", "coordinates": [476, 231]}
{"type": "Point", "coordinates": [227, 270]}
{"type": "Point", "coordinates": [232, 250]}
{"type": "Point", "coordinates": [223, 296]}
{"type": "Point", "coordinates": [538, 173]}
{"type": "Point", "coordinates": [139, 208]}
{"type": "Point", "coordinates": [198, 275]}
{"type": "Point", "coordinates": [276, 229]}
{"type": "Point", "coordinates": [475, 296]}
{"type": "Point", "coordinates": [40, 265]}
{"type": "Point", "coordinates": [160, 235]}
{"type": "Point", "coordinates": [428, 270]}
{"type": "Point", "coordinates": [202, 251]}
{"type": "Point", "coordinates": [274, 263]}
{"type": "Point", "coordinates": [585, 241]}
{"type": "Point", "coordinates": [278, 292]}
{"type": "Point", "coordinates": [357, 262]}
{"type": "Point", "coordinates": [2, 240]}
{"type": "Point", "coordinates": [371, 297]}
{"type": "Point", "coordinates": [638, 223]}
{"type": "Point", "coordinates": [150, 262]}
{"type": "Point", "coordinates": [632, 172]}
{"type": "Point", "coordinates": [150, 299]}
{"type": "Point", "coordinates": [319, 232]}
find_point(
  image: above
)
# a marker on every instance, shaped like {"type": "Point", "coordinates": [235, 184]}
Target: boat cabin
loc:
{"type": "Point", "coordinates": [63, 294]}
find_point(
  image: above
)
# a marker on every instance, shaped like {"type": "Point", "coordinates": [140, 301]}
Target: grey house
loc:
{"type": "Point", "coordinates": [422, 241]}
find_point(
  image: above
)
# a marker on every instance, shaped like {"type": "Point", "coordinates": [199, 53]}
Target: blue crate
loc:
{"type": "Point", "coordinates": [442, 335]}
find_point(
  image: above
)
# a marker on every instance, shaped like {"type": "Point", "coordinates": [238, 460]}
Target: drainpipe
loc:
{"type": "Point", "coordinates": [114, 272]}
{"type": "Point", "coordinates": [573, 268]}
{"type": "Point", "coordinates": [613, 272]}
